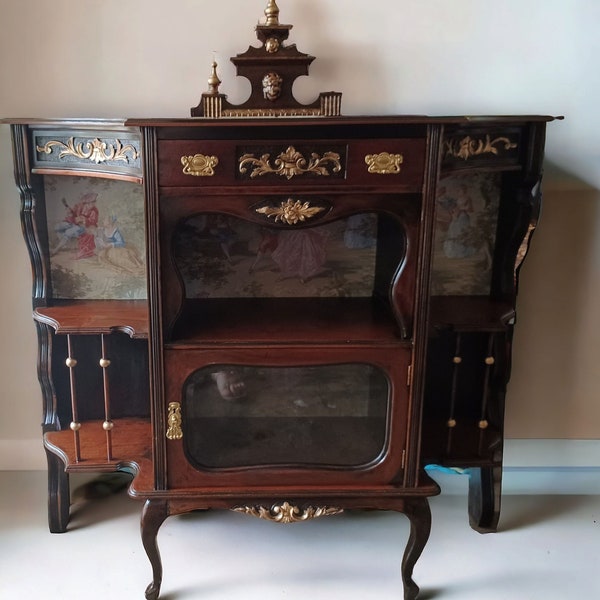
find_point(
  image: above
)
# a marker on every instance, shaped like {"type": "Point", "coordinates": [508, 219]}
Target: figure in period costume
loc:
{"type": "Point", "coordinates": [79, 223]}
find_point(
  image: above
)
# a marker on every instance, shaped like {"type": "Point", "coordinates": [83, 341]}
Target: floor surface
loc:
{"type": "Point", "coordinates": [548, 548]}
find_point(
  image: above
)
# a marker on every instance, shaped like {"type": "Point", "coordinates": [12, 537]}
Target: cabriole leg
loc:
{"type": "Point", "coordinates": [153, 516]}
{"type": "Point", "coordinates": [417, 510]}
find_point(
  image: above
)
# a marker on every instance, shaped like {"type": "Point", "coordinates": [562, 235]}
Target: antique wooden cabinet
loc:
{"type": "Point", "coordinates": [286, 317]}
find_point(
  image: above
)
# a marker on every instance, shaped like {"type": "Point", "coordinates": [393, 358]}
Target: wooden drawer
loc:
{"type": "Point", "coordinates": [385, 162]}
{"type": "Point", "coordinates": [112, 153]}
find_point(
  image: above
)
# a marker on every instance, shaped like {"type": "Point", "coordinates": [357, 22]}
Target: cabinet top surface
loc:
{"type": "Point", "coordinates": [275, 121]}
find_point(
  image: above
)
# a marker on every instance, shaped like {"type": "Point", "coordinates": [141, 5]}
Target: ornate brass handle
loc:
{"type": "Point", "coordinates": [199, 165]}
{"type": "Point", "coordinates": [384, 163]}
{"type": "Point", "coordinates": [174, 431]}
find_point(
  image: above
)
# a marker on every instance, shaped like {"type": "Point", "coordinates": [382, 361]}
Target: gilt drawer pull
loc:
{"type": "Point", "coordinates": [384, 163]}
{"type": "Point", "coordinates": [199, 165]}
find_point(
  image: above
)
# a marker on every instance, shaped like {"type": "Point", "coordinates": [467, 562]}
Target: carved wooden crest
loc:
{"type": "Point", "coordinates": [271, 69]}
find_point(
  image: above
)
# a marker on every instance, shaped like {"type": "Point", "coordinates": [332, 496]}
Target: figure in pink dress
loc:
{"type": "Point", "coordinates": [301, 253]}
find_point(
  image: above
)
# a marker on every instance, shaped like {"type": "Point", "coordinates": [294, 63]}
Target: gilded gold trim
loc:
{"type": "Point", "coordinates": [291, 211]}
{"type": "Point", "coordinates": [384, 163]}
{"type": "Point", "coordinates": [199, 165]}
{"type": "Point", "coordinates": [291, 163]}
{"type": "Point", "coordinates": [468, 146]}
{"type": "Point", "coordinates": [95, 150]}
{"type": "Point", "coordinates": [287, 513]}
{"type": "Point", "coordinates": [174, 431]}
{"type": "Point", "coordinates": [271, 112]}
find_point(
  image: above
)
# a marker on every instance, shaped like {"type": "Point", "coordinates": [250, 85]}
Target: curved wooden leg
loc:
{"type": "Point", "coordinates": [485, 489]}
{"type": "Point", "coordinates": [153, 516]}
{"type": "Point", "coordinates": [59, 496]}
{"type": "Point", "coordinates": [417, 510]}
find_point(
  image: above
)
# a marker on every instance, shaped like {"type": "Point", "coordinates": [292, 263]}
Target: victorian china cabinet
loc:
{"type": "Point", "coordinates": [275, 309]}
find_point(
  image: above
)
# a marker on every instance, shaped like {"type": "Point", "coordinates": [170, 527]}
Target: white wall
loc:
{"type": "Point", "coordinates": [152, 58]}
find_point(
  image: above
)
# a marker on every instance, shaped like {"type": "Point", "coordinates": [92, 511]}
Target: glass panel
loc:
{"type": "Point", "coordinates": [225, 257]}
{"type": "Point", "coordinates": [465, 234]}
{"type": "Point", "coordinates": [96, 238]}
{"type": "Point", "coordinates": [334, 415]}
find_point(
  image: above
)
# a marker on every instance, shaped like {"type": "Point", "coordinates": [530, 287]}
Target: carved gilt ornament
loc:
{"type": "Point", "coordinates": [199, 165]}
{"type": "Point", "coordinates": [287, 513]}
{"type": "Point", "coordinates": [291, 163]}
{"type": "Point", "coordinates": [468, 146]}
{"type": "Point", "coordinates": [291, 212]}
{"type": "Point", "coordinates": [95, 150]}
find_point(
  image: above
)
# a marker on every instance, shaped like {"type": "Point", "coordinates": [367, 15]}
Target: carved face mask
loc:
{"type": "Point", "coordinates": [272, 86]}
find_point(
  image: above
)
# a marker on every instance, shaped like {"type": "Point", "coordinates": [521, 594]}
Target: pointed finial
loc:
{"type": "Point", "coordinates": [213, 81]}
{"type": "Point", "coordinates": [272, 14]}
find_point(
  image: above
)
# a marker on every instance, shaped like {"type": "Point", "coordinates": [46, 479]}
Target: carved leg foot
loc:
{"type": "Point", "coordinates": [59, 499]}
{"type": "Point", "coordinates": [485, 488]}
{"type": "Point", "coordinates": [154, 514]}
{"type": "Point", "coordinates": [417, 510]}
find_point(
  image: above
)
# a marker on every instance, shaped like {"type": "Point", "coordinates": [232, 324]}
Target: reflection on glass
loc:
{"type": "Point", "coordinates": [334, 415]}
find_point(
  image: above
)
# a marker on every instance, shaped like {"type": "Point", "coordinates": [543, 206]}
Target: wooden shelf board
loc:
{"type": "Point", "coordinates": [96, 317]}
{"type": "Point", "coordinates": [286, 321]}
{"type": "Point", "coordinates": [131, 445]}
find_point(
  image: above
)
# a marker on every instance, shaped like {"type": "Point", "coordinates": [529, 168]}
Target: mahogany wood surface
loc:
{"type": "Point", "coordinates": [434, 416]}
{"type": "Point", "coordinates": [96, 317]}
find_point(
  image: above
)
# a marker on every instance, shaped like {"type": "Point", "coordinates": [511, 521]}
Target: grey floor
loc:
{"type": "Point", "coordinates": [548, 548]}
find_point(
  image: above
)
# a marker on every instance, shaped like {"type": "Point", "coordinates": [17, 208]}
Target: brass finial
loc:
{"type": "Point", "coordinates": [272, 14]}
{"type": "Point", "coordinates": [213, 81]}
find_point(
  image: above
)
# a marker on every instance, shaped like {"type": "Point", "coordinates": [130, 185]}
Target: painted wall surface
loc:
{"type": "Point", "coordinates": [145, 58]}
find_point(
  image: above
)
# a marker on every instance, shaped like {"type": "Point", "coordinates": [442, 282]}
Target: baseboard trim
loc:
{"type": "Point", "coordinates": [530, 481]}
{"type": "Point", "coordinates": [551, 453]}
{"type": "Point", "coordinates": [519, 455]}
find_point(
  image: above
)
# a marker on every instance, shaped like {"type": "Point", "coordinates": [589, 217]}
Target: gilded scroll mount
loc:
{"type": "Point", "coordinates": [291, 163]}
{"type": "Point", "coordinates": [467, 147]}
{"type": "Point", "coordinates": [286, 513]}
{"type": "Point", "coordinates": [96, 150]}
